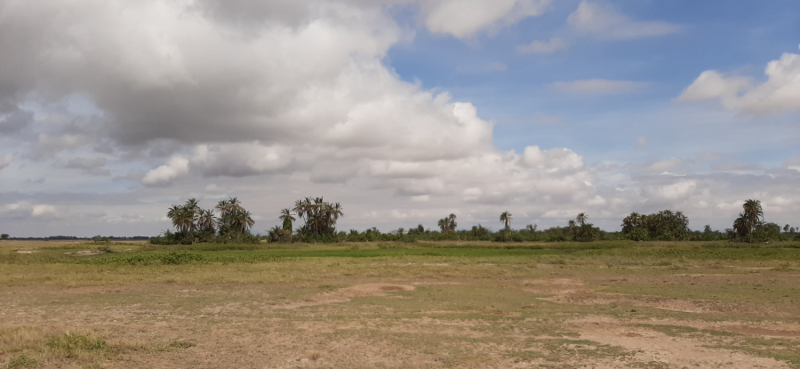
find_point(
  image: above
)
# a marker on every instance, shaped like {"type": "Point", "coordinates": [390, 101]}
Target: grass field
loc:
{"type": "Point", "coordinates": [400, 305]}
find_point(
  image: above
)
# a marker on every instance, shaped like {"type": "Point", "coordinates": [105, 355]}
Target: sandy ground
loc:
{"type": "Point", "coordinates": [434, 315]}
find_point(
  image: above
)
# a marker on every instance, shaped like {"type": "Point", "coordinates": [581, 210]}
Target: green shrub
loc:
{"type": "Point", "coordinates": [22, 361]}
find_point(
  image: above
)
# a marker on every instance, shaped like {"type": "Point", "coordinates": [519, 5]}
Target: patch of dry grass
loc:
{"type": "Point", "coordinates": [448, 304]}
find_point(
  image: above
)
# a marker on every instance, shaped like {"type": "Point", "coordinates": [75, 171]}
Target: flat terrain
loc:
{"type": "Point", "coordinates": [400, 305]}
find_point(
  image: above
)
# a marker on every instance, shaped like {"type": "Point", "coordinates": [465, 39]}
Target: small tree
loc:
{"type": "Point", "coordinates": [505, 218]}
{"type": "Point", "coordinates": [4, 236]}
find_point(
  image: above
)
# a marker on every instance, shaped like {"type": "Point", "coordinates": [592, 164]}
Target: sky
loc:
{"type": "Point", "coordinates": [404, 111]}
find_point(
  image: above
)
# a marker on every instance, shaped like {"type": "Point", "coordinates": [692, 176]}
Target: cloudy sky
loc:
{"type": "Point", "coordinates": [402, 110]}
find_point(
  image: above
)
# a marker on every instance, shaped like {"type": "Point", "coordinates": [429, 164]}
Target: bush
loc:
{"type": "Point", "coordinates": [639, 234]}
{"type": "Point", "coordinates": [22, 361]}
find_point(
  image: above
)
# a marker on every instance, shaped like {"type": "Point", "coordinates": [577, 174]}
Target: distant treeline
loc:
{"type": "Point", "coordinates": [585, 233]}
{"type": "Point", "coordinates": [73, 238]}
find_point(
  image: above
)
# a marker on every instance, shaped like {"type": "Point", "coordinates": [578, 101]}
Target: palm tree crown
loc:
{"type": "Point", "coordinates": [505, 218]}
{"type": "Point", "coordinates": [582, 218]}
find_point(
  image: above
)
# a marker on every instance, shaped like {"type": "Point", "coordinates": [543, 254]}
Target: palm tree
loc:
{"type": "Point", "coordinates": [337, 212]}
{"type": "Point", "coordinates": [192, 212]}
{"type": "Point", "coordinates": [750, 218]}
{"type": "Point", "coordinates": [287, 218]}
{"type": "Point", "coordinates": [505, 218]}
{"type": "Point", "coordinates": [173, 214]}
{"type": "Point", "coordinates": [320, 216]}
{"type": "Point", "coordinates": [582, 218]}
{"type": "Point", "coordinates": [451, 222]}
{"type": "Point", "coordinates": [443, 224]}
{"type": "Point", "coordinates": [753, 213]}
{"type": "Point", "coordinates": [206, 220]}
{"type": "Point", "coordinates": [740, 225]}
{"type": "Point", "coordinates": [245, 220]}
{"type": "Point", "coordinates": [571, 225]}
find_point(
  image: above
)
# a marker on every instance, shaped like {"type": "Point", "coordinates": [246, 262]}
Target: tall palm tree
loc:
{"type": "Point", "coordinates": [174, 214]}
{"type": "Point", "coordinates": [206, 220]}
{"type": "Point", "coordinates": [443, 224]}
{"type": "Point", "coordinates": [571, 225]}
{"type": "Point", "coordinates": [451, 222]}
{"type": "Point", "coordinates": [582, 218]}
{"type": "Point", "coordinates": [505, 218]}
{"type": "Point", "coordinates": [245, 220]}
{"type": "Point", "coordinates": [287, 218]}
{"type": "Point", "coordinates": [192, 212]}
{"type": "Point", "coordinates": [753, 214]}
{"type": "Point", "coordinates": [337, 212]}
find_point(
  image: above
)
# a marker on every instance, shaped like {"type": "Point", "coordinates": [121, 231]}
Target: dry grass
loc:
{"type": "Point", "coordinates": [404, 306]}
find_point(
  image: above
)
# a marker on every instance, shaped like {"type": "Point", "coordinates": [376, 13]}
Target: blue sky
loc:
{"type": "Point", "coordinates": [403, 110]}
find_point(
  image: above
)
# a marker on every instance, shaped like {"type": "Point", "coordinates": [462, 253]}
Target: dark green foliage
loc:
{"type": "Point", "coordinates": [320, 217]}
{"type": "Point", "coordinates": [750, 225]}
{"type": "Point", "coordinates": [586, 233]}
{"type": "Point", "coordinates": [663, 226]}
{"type": "Point", "coordinates": [479, 231]}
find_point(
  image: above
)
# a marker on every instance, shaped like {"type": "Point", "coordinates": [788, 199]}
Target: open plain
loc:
{"type": "Point", "coordinates": [400, 305]}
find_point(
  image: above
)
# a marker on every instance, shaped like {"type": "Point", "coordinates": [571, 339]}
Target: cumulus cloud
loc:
{"type": "Point", "coordinates": [463, 18]}
{"type": "Point", "coordinates": [43, 210]}
{"type": "Point", "coordinates": [176, 167]}
{"type": "Point", "coordinates": [543, 47]}
{"type": "Point", "coordinates": [781, 91]}
{"type": "Point", "coordinates": [284, 99]}
{"type": "Point", "coordinates": [602, 20]}
{"type": "Point", "coordinates": [558, 158]}
{"type": "Point", "coordinates": [665, 165]}
{"type": "Point", "coordinates": [238, 160]}
{"type": "Point", "coordinates": [598, 86]}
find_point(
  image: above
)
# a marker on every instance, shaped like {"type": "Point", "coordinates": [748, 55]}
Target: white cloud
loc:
{"type": "Point", "coordinates": [238, 160]}
{"type": "Point", "coordinates": [558, 158]}
{"type": "Point", "coordinates": [665, 165]}
{"type": "Point", "coordinates": [281, 100]}
{"type": "Point", "coordinates": [672, 192]}
{"type": "Point", "coordinates": [599, 86]}
{"type": "Point", "coordinates": [463, 18]}
{"type": "Point", "coordinates": [781, 91]}
{"type": "Point", "coordinates": [43, 211]}
{"type": "Point", "coordinates": [543, 47]}
{"type": "Point", "coordinates": [601, 20]}
{"type": "Point", "coordinates": [793, 164]}
{"type": "Point", "coordinates": [176, 167]}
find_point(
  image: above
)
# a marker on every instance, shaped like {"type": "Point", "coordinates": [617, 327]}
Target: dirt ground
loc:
{"type": "Point", "coordinates": [409, 312]}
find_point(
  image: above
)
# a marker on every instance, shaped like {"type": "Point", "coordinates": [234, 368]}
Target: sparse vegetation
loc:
{"type": "Point", "coordinates": [420, 304]}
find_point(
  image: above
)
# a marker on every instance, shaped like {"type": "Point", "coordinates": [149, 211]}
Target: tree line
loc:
{"type": "Point", "coordinates": [232, 223]}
